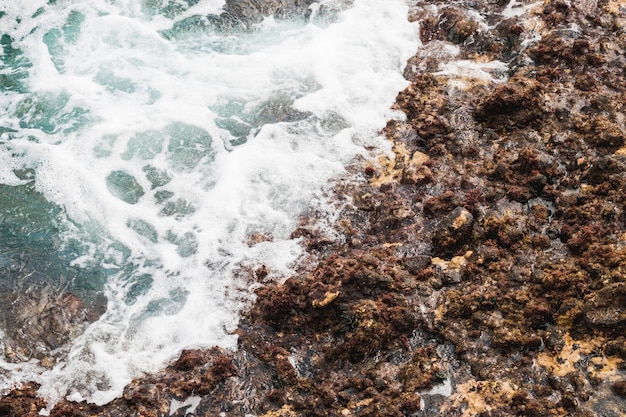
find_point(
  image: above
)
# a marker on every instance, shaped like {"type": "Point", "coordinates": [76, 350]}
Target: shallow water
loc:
{"type": "Point", "coordinates": [137, 166]}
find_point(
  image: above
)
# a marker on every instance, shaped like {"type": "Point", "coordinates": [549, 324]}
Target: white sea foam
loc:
{"type": "Point", "coordinates": [190, 404]}
{"type": "Point", "coordinates": [144, 152]}
{"type": "Point", "coordinates": [517, 8]}
{"type": "Point", "coordinates": [491, 71]}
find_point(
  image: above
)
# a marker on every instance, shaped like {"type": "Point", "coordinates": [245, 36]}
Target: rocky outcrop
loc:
{"type": "Point", "coordinates": [481, 269]}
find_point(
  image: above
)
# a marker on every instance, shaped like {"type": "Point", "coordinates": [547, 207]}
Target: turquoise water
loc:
{"type": "Point", "coordinates": [33, 252]}
{"type": "Point", "coordinates": [138, 156]}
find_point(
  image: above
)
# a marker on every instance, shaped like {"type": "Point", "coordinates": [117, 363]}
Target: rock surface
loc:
{"type": "Point", "coordinates": [481, 271]}
{"type": "Point", "coordinates": [40, 323]}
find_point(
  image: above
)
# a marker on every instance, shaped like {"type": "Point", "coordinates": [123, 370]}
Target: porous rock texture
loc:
{"type": "Point", "coordinates": [481, 270]}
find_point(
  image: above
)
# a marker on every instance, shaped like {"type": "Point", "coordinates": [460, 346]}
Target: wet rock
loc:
{"type": "Point", "coordinates": [425, 113]}
{"type": "Point", "coordinates": [602, 132]}
{"type": "Point", "coordinates": [442, 204]}
{"type": "Point", "coordinates": [512, 104]}
{"type": "Point", "coordinates": [22, 402]}
{"type": "Point", "coordinates": [423, 371]}
{"type": "Point", "coordinates": [124, 186]}
{"type": "Point", "coordinates": [619, 388]}
{"type": "Point", "coordinates": [453, 231]}
{"type": "Point", "coordinates": [507, 228]}
{"type": "Point", "coordinates": [617, 347]}
{"type": "Point", "coordinates": [538, 312]}
{"type": "Point", "coordinates": [190, 359]}
{"type": "Point", "coordinates": [521, 179]}
{"type": "Point", "coordinates": [452, 270]}
{"type": "Point", "coordinates": [40, 322]}
{"type": "Point", "coordinates": [417, 263]}
{"type": "Point", "coordinates": [148, 399]}
{"type": "Point", "coordinates": [415, 171]}
{"type": "Point", "coordinates": [570, 312]}
{"type": "Point", "coordinates": [69, 409]}
{"type": "Point", "coordinates": [243, 15]}
{"type": "Point", "coordinates": [451, 24]}
{"type": "Point", "coordinates": [606, 309]}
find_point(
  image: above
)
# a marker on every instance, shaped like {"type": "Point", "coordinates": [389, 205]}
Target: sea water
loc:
{"type": "Point", "coordinates": [137, 163]}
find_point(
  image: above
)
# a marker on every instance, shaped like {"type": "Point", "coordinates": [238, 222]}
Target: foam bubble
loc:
{"type": "Point", "coordinates": [168, 155]}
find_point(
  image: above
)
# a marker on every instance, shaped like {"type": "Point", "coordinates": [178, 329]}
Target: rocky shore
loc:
{"type": "Point", "coordinates": [479, 271]}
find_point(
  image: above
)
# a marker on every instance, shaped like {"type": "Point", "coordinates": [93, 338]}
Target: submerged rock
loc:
{"type": "Point", "coordinates": [124, 186]}
{"type": "Point", "coordinates": [242, 15]}
{"type": "Point", "coordinates": [37, 324]}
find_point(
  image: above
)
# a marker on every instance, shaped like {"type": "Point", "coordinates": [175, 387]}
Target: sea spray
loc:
{"type": "Point", "coordinates": [160, 156]}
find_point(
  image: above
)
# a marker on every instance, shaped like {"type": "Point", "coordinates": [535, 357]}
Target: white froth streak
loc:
{"type": "Point", "coordinates": [492, 71]}
{"type": "Point", "coordinates": [266, 183]}
{"type": "Point", "coordinates": [517, 8]}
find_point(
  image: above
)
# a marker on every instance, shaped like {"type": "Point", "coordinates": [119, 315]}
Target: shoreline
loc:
{"type": "Point", "coordinates": [482, 272]}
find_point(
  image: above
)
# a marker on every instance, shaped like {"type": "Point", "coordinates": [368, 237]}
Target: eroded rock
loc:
{"type": "Point", "coordinates": [524, 184]}
{"type": "Point", "coordinates": [607, 308]}
{"type": "Point", "coordinates": [453, 231]}
{"type": "Point", "coordinates": [38, 323]}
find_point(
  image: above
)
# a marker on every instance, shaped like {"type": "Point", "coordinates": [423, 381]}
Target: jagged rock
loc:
{"type": "Point", "coordinates": [524, 177]}
{"type": "Point", "coordinates": [453, 231]}
{"type": "Point", "coordinates": [608, 307]}
{"type": "Point", "coordinates": [39, 322]}
{"type": "Point", "coordinates": [22, 402]}
{"type": "Point", "coordinates": [619, 388]}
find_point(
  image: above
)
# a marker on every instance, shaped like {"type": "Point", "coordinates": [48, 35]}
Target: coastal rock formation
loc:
{"type": "Point", "coordinates": [481, 270]}
{"type": "Point", "coordinates": [38, 322]}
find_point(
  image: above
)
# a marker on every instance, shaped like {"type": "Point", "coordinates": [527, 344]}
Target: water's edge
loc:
{"type": "Point", "coordinates": [478, 271]}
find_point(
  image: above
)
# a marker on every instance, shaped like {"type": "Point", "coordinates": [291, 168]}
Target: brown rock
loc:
{"type": "Point", "coordinates": [190, 359]}
{"type": "Point", "coordinates": [516, 103]}
{"type": "Point", "coordinates": [453, 231]}
{"type": "Point", "coordinates": [607, 309]}
{"type": "Point", "coordinates": [619, 388]}
{"type": "Point", "coordinates": [22, 402]}
{"type": "Point", "coordinates": [39, 322]}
